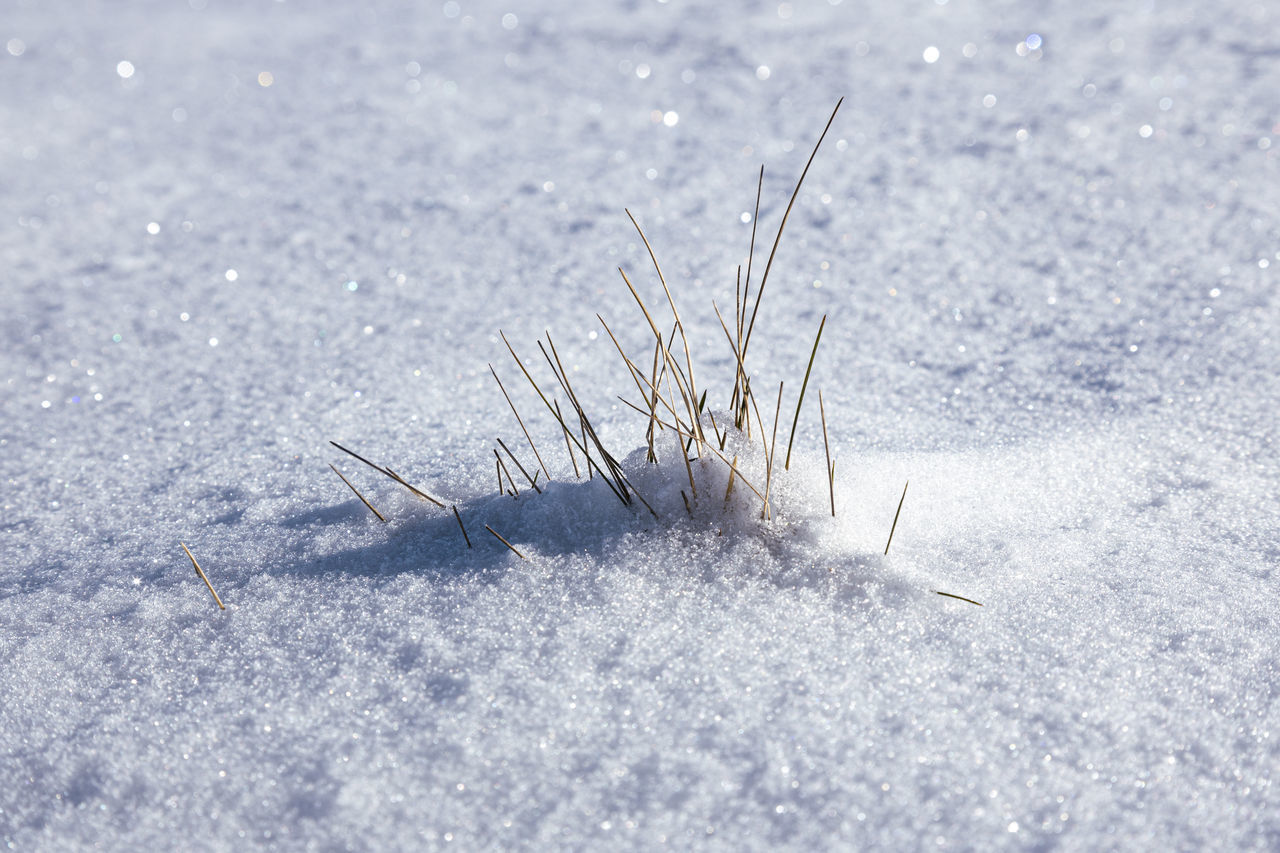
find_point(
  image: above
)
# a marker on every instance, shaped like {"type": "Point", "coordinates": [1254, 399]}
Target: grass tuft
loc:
{"type": "Point", "coordinates": [670, 398]}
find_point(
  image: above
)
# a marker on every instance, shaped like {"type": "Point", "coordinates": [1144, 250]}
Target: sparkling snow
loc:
{"type": "Point", "coordinates": [1046, 240]}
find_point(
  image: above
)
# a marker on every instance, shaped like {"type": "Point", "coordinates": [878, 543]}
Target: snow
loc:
{"type": "Point", "coordinates": [1045, 240]}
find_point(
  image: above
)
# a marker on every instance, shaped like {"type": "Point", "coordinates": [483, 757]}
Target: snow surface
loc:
{"type": "Point", "coordinates": [233, 231]}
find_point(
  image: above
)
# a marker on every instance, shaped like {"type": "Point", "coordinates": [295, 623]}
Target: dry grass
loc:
{"type": "Point", "coordinates": [671, 402]}
{"type": "Point", "coordinates": [200, 573]}
{"type": "Point", "coordinates": [671, 399]}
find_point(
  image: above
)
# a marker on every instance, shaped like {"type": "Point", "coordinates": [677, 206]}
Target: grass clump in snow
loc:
{"type": "Point", "coordinates": [717, 469]}
{"type": "Point", "coordinates": [693, 463]}
{"type": "Point", "coordinates": [717, 466]}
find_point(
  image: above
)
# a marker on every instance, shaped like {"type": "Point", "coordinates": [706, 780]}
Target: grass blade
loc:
{"type": "Point", "coordinates": [568, 445]}
{"type": "Point", "coordinates": [203, 577]}
{"type": "Point", "coordinates": [958, 597]}
{"type": "Point", "coordinates": [826, 446]}
{"type": "Point", "coordinates": [505, 542]}
{"type": "Point", "coordinates": [521, 421]}
{"type": "Point", "coordinates": [460, 527]}
{"type": "Point", "coordinates": [380, 516]}
{"type": "Point", "coordinates": [804, 385]}
{"type": "Point", "coordinates": [562, 377]}
{"type": "Point", "coordinates": [388, 473]}
{"type": "Point", "coordinates": [556, 411]}
{"type": "Point", "coordinates": [401, 480]}
{"type": "Point", "coordinates": [764, 279]}
{"type": "Point", "coordinates": [502, 469]}
{"type": "Point", "coordinates": [531, 480]}
{"type": "Point", "coordinates": [742, 293]}
{"type": "Point", "coordinates": [773, 449]}
{"type": "Point", "coordinates": [895, 518]}
{"type": "Point", "coordinates": [693, 392]}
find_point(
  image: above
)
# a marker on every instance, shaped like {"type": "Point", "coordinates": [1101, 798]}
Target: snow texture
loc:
{"type": "Point", "coordinates": [1046, 240]}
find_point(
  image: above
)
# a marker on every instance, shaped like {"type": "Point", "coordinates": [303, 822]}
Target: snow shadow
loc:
{"type": "Point", "coordinates": [575, 517]}
{"type": "Point", "coordinates": [672, 530]}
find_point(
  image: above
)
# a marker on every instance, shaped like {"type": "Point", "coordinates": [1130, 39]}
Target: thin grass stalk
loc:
{"type": "Point", "coordinates": [895, 518]}
{"type": "Point", "coordinates": [764, 279]}
{"type": "Point", "coordinates": [387, 472]}
{"type": "Point", "coordinates": [355, 455]}
{"type": "Point", "coordinates": [555, 411]}
{"type": "Point", "coordinates": [502, 468]}
{"type": "Point", "coordinates": [732, 347]}
{"type": "Point", "coordinates": [803, 386]}
{"type": "Point", "coordinates": [653, 406]}
{"type": "Point", "coordinates": [520, 420]}
{"type": "Point", "coordinates": [401, 480]}
{"type": "Point", "coordinates": [959, 597]}
{"type": "Point", "coordinates": [458, 516]}
{"type": "Point", "coordinates": [630, 364]}
{"type": "Point", "coordinates": [740, 318]}
{"type": "Point", "coordinates": [741, 414]}
{"type": "Point", "coordinates": [505, 542]}
{"type": "Point", "coordinates": [568, 445]}
{"type": "Point", "coordinates": [737, 321]}
{"type": "Point", "coordinates": [693, 391]}
{"type": "Point", "coordinates": [380, 516]}
{"type": "Point", "coordinates": [751, 254]}
{"type": "Point", "coordinates": [773, 449]}
{"type": "Point", "coordinates": [643, 308]}
{"type": "Point", "coordinates": [684, 453]}
{"type": "Point", "coordinates": [826, 446]}
{"type": "Point", "coordinates": [587, 452]}
{"type": "Point", "coordinates": [680, 447]}
{"type": "Point", "coordinates": [203, 577]}
{"type": "Point", "coordinates": [563, 377]}
{"type": "Point", "coordinates": [691, 405]}
{"type": "Point", "coordinates": [667, 349]}
{"type": "Point", "coordinates": [732, 470]}
{"type": "Point", "coordinates": [720, 436]}
{"type": "Point", "coordinates": [532, 481]}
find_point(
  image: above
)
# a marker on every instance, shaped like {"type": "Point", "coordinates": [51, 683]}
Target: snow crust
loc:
{"type": "Point", "coordinates": [1045, 240]}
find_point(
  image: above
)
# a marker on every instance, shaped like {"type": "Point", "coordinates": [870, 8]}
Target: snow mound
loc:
{"type": "Point", "coordinates": [704, 519]}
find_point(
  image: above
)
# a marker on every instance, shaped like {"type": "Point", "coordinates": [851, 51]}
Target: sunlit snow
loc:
{"type": "Point", "coordinates": [1046, 243]}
